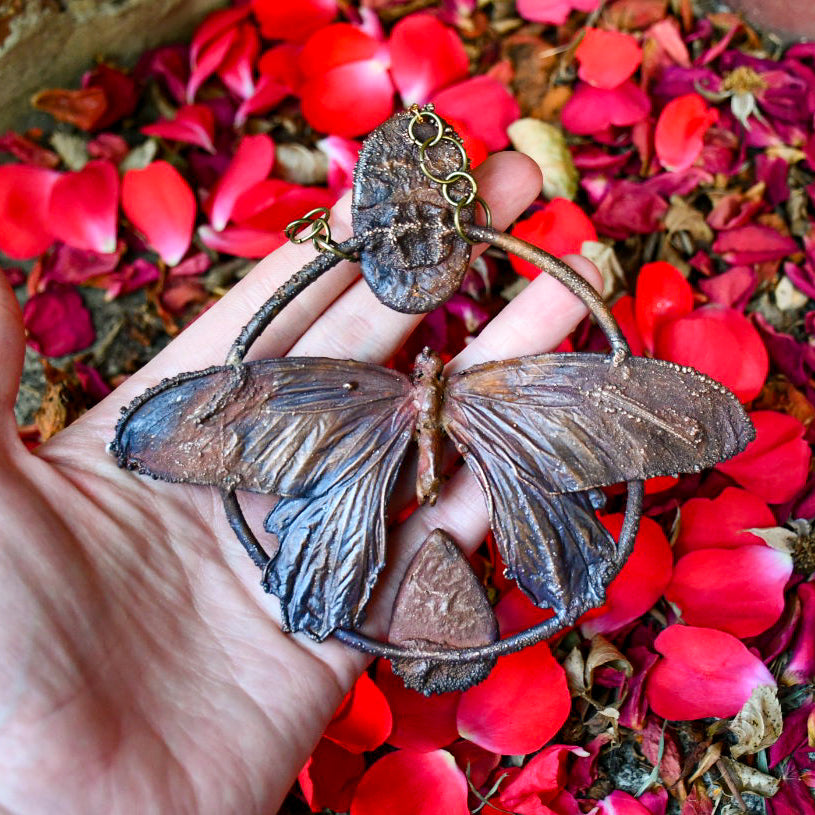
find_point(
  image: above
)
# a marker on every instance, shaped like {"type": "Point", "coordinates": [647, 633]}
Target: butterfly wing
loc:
{"type": "Point", "coordinates": [328, 436]}
{"type": "Point", "coordinates": [541, 432]}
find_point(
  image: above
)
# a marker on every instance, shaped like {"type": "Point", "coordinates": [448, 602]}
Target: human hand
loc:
{"type": "Point", "coordinates": [142, 669]}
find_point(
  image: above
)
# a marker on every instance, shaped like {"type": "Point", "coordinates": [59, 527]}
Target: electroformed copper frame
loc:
{"type": "Point", "coordinates": [619, 351]}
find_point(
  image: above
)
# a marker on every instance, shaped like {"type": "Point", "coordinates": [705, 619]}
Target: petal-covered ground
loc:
{"type": "Point", "coordinates": [678, 153]}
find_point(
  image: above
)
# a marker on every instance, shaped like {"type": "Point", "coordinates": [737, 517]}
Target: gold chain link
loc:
{"type": "Point", "coordinates": [461, 174]}
{"type": "Point", "coordinates": [316, 221]}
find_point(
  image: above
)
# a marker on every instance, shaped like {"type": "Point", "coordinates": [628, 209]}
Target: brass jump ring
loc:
{"type": "Point", "coordinates": [457, 218]}
{"type": "Point", "coordinates": [318, 224]}
{"type": "Point", "coordinates": [418, 117]}
{"type": "Point", "coordinates": [469, 197]}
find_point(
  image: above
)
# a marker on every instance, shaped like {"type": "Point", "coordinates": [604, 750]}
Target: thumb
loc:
{"type": "Point", "coordinates": [12, 343]}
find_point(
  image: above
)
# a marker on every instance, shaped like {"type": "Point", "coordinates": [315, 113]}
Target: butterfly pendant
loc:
{"type": "Point", "coordinates": [540, 433]}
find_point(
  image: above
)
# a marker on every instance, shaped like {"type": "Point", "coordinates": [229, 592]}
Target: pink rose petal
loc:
{"type": "Point", "coordinates": [57, 322]}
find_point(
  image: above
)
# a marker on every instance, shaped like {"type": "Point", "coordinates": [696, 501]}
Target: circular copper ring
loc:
{"type": "Point", "coordinates": [619, 351]}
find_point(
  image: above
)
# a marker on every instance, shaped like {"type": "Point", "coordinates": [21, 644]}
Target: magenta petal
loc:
{"type": "Point", "coordinates": [621, 803]}
{"type": "Point", "coordinates": [243, 243]}
{"type": "Point", "coordinates": [704, 673]}
{"type": "Point", "coordinates": [592, 110]}
{"type": "Point", "coordinates": [251, 164]}
{"type": "Point", "coordinates": [483, 105]}
{"type": "Point", "coordinates": [209, 61]}
{"type": "Point", "coordinates": [84, 205]}
{"type": "Point", "coordinates": [267, 95]}
{"type": "Point", "coordinates": [754, 243]}
{"type": "Point", "coordinates": [57, 321]}
{"type": "Point", "coordinates": [25, 231]}
{"type": "Point", "coordinates": [739, 590]}
{"type": "Point", "coordinates": [425, 56]}
{"type": "Point", "coordinates": [552, 11]}
{"type": "Point", "coordinates": [237, 69]}
{"type": "Point", "coordinates": [801, 667]}
{"type": "Point", "coordinates": [161, 205]}
{"type": "Point", "coordinates": [193, 124]}
{"type": "Point", "coordinates": [342, 158]}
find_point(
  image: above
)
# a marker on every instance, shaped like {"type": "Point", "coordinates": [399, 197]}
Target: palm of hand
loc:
{"type": "Point", "coordinates": [141, 668]}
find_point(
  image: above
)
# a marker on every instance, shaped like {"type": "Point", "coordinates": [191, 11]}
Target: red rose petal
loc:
{"type": "Point", "coordinates": [294, 20]}
{"type": "Point", "coordinates": [161, 205]}
{"type": "Point", "coordinates": [720, 342]}
{"type": "Point", "coordinates": [739, 590]}
{"type": "Point", "coordinates": [267, 95]}
{"type": "Point", "coordinates": [121, 93]}
{"type": "Point", "coordinates": [419, 722]}
{"type": "Point", "coordinates": [425, 57]}
{"type": "Point", "coordinates": [593, 110]}
{"type": "Point", "coordinates": [776, 463]}
{"type": "Point", "coordinates": [607, 58]}
{"type": "Point", "coordinates": [209, 60]}
{"type": "Point", "coordinates": [800, 669]}
{"type": "Point", "coordinates": [681, 129]}
{"type": "Point", "coordinates": [754, 243]}
{"type": "Point", "coordinates": [193, 124]}
{"type": "Point", "coordinates": [722, 522]}
{"type": "Point", "coordinates": [129, 277]}
{"type": "Point", "coordinates": [475, 761]}
{"type": "Point", "coordinates": [241, 242]}
{"type": "Point", "coordinates": [704, 673]}
{"type": "Point", "coordinates": [334, 46]}
{"type": "Point", "coordinates": [64, 264]}
{"type": "Point", "coordinates": [213, 26]}
{"type": "Point", "coordinates": [560, 228]}
{"type": "Point", "coordinates": [281, 65]}
{"type": "Point", "coordinates": [57, 322]}
{"type": "Point", "coordinates": [28, 151]}
{"type": "Point", "coordinates": [640, 583]}
{"type": "Point", "coordinates": [348, 100]}
{"type": "Point", "coordinates": [330, 777]}
{"type": "Point", "coordinates": [662, 294]}
{"type": "Point", "coordinates": [516, 612]}
{"type": "Point", "coordinates": [519, 706]}
{"type": "Point", "coordinates": [83, 207]}
{"type": "Point", "coordinates": [343, 155]}
{"type": "Point", "coordinates": [542, 778]}
{"type": "Point", "coordinates": [621, 803]}
{"type": "Point", "coordinates": [237, 69]}
{"type": "Point", "coordinates": [363, 720]}
{"type": "Point", "coordinates": [484, 106]}
{"type": "Point", "coordinates": [410, 783]}
{"type": "Point", "coordinates": [24, 225]}
{"type": "Point", "coordinates": [552, 11]}
{"type": "Point", "coordinates": [251, 164]}
{"type": "Point", "coordinates": [623, 311]}
{"type": "Point", "coordinates": [282, 209]}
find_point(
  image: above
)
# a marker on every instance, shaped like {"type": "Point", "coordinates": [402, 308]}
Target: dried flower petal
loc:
{"type": "Point", "coordinates": [83, 207]}
{"type": "Point", "coordinates": [560, 228]}
{"type": "Point", "coordinates": [776, 463]}
{"type": "Point", "coordinates": [193, 124]}
{"type": "Point", "coordinates": [640, 583]}
{"type": "Point", "coordinates": [552, 11]}
{"type": "Point", "coordinates": [739, 590]}
{"type": "Point", "coordinates": [82, 108]}
{"type": "Point", "coordinates": [425, 57]}
{"type": "Point", "coordinates": [330, 777]}
{"type": "Point", "coordinates": [161, 205]}
{"type": "Point", "coordinates": [801, 666]}
{"type": "Point", "coordinates": [680, 129]}
{"type": "Point", "coordinates": [25, 231]}
{"type": "Point", "coordinates": [704, 673]}
{"type": "Point", "coordinates": [57, 322]}
{"type": "Point", "coordinates": [722, 522]}
{"type": "Point", "coordinates": [607, 58]}
{"type": "Point", "coordinates": [410, 783]}
{"type": "Point", "coordinates": [662, 294]}
{"type": "Point", "coordinates": [519, 706]}
{"type": "Point", "coordinates": [121, 93]}
{"type": "Point", "coordinates": [753, 243]}
{"type": "Point", "coordinates": [419, 722]}
{"type": "Point", "coordinates": [719, 342]}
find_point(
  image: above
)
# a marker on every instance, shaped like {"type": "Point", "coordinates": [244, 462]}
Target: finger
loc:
{"type": "Point", "coordinates": [536, 321]}
{"type": "Point", "coordinates": [358, 326]}
{"type": "Point", "coordinates": [12, 341]}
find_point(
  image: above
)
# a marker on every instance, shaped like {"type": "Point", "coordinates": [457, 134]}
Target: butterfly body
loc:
{"type": "Point", "coordinates": [540, 434]}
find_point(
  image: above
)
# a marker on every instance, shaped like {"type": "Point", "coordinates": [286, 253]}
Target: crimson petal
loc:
{"type": "Point", "coordinates": [419, 722]}
{"type": "Point", "coordinates": [776, 463]}
{"type": "Point", "coordinates": [680, 131]}
{"type": "Point", "coordinates": [720, 342]}
{"type": "Point", "coordinates": [241, 242]}
{"type": "Point", "coordinates": [519, 706]}
{"type": "Point", "coordinates": [483, 105]}
{"type": "Point", "coordinates": [57, 322]}
{"type": "Point", "coordinates": [237, 69]}
{"type": "Point", "coordinates": [193, 124]}
{"type": "Point", "coordinates": [739, 590]}
{"type": "Point", "coordinates": [363, 720]}
{"type": "Point", "coordinates": [425, 57]}
{"type": "Point", "coordinates": [607, 58]}
{"type": "Point", "coordinates": [662, 294]}
{"type": "Point", "coordinates": [640, 583]}
{"type": "Point", "coordinates": [593, 110]}
{"type": "Point", "coordinates": [83, 207]}
{"type": "Point", "coordinates": [754, 243]}
{"type": "Point", "coordinates": [704, 673]}
{"type": "Point", "coordinates": [722, 522]}
{"type": "Point", "coordinates": [294, 20]}
{"type": "Point", "coordinates": [251, 164]}
{"type": "Point", "coordinates": [24, 225]}
{"type": "Point", "coordinates": [409, 783]}
{"type": "Point", "coordinates": [330, 777]}
{"type": "Point", "coordinates": [621, 803]}
{"type": "Point", "coordinates": [161, 205]}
